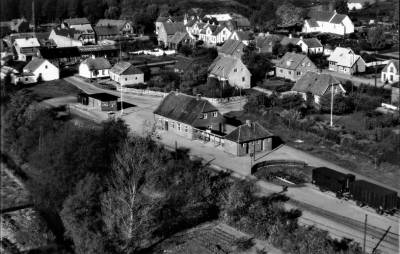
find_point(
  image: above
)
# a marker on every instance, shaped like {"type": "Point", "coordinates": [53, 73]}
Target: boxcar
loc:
{"type": "Point", "coordinates": [332, 180]}
{"type": "Point", "coordinates": [378, 197]}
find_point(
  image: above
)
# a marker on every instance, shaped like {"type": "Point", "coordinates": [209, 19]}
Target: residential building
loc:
{"type": "Point", "coordinates": [190, 68]}
{"type": "Point", "coordinates": [248, 139]}
{"type": "Point", "coordinates": [292, 66]}
{"type": "Point", "coordinates": [65, 37]}
{"type": "Point", "coordinates": [212, 35]}
{"type": "Point", "coordinates": [390, 74]}
{"type": "Point", "coordinates": [126, 74]}
{"type": "Point", "coordinates": [232, 48]}
{"type": "Point", "coordinates": [189, 116]}
{"type": "Point", "coordinates": [24, 78]}
{"type": "Point", "coordinates": [83, 30]}
{"type": "Point", "coordinates": [122, 26]}
{"type": "Point", "coordinates": [244, 36]}
{"type": "Point", "coordinates": [7, 71]}
{"type": "Point", "coordinates": [231, 69]}
{"type": "Point", "coordinates": [167, 30]}
{"type": "Point", "coordinates": [42, 69]}
{"type": "Point", "coordinates": [358, 4]}
{"type": "Point", "coordinates": [159, 22]}
{"type": "Point", "coordinates": [233, 20]}
{"type": "Point", "coordinates": [317, 85]}
{"type": "Point", "coordinates": [344, 60]}
{"type": "Point", "coordinates": [26, 48]}
{"type": "Point", "coordinates": [99, 101]}
{"type": "Point", "coordinates": [310, 46]}
{"type": "Point", "coordinates": [266, 42]}
{"type": "Point", "coordinates": [106, 32]}
{"type": "Point", "coordinates": [179, 39]}
{"type": "Point", "coordinates": [15, 25]}
{"type": "Point", "coordinates": [95, 68]}
{"type": "Point", "coordinates": [328, 22]}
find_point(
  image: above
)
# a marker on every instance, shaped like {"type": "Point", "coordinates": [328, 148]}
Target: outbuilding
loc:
{"type": "Point", "coordinates": [99, 101]}
{"type": "Point", "coordinates": [95, 68]}
{"type": "Point", "coordinates": [126, 74]}
{"type": "Point", "coordinates": [42, 70]}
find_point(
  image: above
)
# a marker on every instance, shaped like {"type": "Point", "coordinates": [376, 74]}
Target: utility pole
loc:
{"type": "Point", "coordinates": [121, 89]}
{"type": "Point", "coordinates": [332, 91]}
{"type": "Point", "coordinates": [380, 240]}
{"type": "Point", "coordinates": [365, 233]}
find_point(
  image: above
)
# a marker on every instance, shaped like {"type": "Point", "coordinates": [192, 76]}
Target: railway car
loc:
{"type": "Point", "coordinates": [375, 196]}
{"type": "Point", "coordinates": [332, 180]}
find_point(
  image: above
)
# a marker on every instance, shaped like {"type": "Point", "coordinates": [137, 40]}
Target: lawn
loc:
{"type": "Point", "coordinates": [53, 89]}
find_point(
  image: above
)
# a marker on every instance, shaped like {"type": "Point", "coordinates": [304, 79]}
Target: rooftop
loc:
{"type": "Point", "coordinates": [247, 132]}
{"type": "Point", "coordinates": [315, 83]}
{"type": "Point", "coordinates": [97, 63]}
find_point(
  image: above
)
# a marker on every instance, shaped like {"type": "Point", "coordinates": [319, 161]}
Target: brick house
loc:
{"type": "Point", "coordinates": [188, 116]}
{"type": "Point", "coordinates": [247, 138]}
{"type": "Point", "coordinates": [292, 66]}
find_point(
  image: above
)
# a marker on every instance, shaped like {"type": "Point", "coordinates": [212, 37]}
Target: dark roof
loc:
{"type": "Point", "coordinates": [103, 96]}
{"type": "Point", "coordinates": [338, 18]}
{"type": "Point", "coordinates": [320, 15]}
{"type": "Point", "coordinates": [76, 21]}
{"type": "Point", "coordinates": [178, 37]}
{"type": "Point", "coordinates": [312, 23]}
{"type": "Point", "coordinates": [267, 41]}
{"type": "Point", "coordinates": [66, 32]}
{"type": "Point", "coordinates": [293, 61]}
{"type": "Point", "coordinates": [54, 53]}
{"type": "Point", "coordinates": [312, 42]}
{"type": "Point", "coordinates": [183, 108]}
{"type": "Point", "coordinates": [97, 48]}
{"type": "Point", "coordinates": [97, 63]}
{"type": "Point", "coordinates": [289, 40]}
{"type": "Point", "coordinates": [314, 83]}
{"type": "Point", "coordinates": [119, 23]}
{"type": "Point", "coordinates": [172, 27]}
{"type": "Point", "coordinates": [34, 64]}
{"type": "Point", "coordinates": [183, 63]}
{"type": "Point", "coordinates": [125, 68]}
{"type": "Point", "coordinates": [106, 30]}
{"type": "Point", "coordinates": [248, 132]}
{"type": "Point", "coordinates": [232, 47]}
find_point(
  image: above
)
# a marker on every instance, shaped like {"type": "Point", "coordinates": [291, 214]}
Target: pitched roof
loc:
{"type": "Point", "coordinates": [66, 32]}
{"type": "Point", "coordinates": [172, 27]}
{"type": "Point", "coordinates": [119, 23]}
{"type": "Point", "coordinates": [243, 35]}
{"type": "Point", "coordinates": [312, 23]}
{"type": "Point", "coordinates": [338, 18]}
{"type": "Point", "coordinates": [183, 108]}
{"type": "Point", "coordinates": [27, 42]}
{"type": "Point", "coordinates": [162, 19]}
{"type": "Point", "coordinates": [34, 64]}
{"type": "Point", "coordinates": [312, 42]}
{"type": "Point", "coordinates": [76, 21]}
{"type": "Point", "coordinates": [97, 63]}
{"type": "Point", "coordinates": [106, 30]}
{"type": "Point", "coordinates": [287, 40]}
{"type": "Point", "coordinates": [248, 132]}
{"type": "Point", "coordinates": [231, 47]}
{"type": "Point", "coordinates": [125, 68]}
{"type": "Point", "coordinates": [268, 40]}
{"type": "Point", "coordinates": [344, 57]}
{"type": "Point", "coordinates": [320, 15]}
{"type": "Point", "coordinates": [222, 66]}
{"type": "Point", "coordinates": [314, 83]}
{"type": "Point", "coordinates": [396, 65]}
{"type": "Point", "coordinates": [178, 37]}
{"type": "Point", "coordinates": [294, 61]}
{"type": "Point", "coordinates": [84, 28]}
{"type": "Point", "coordinates": [183, 63]}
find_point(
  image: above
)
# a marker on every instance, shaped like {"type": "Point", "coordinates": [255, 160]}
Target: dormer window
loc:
{"type": "Point", "coordinates": [391, 69]}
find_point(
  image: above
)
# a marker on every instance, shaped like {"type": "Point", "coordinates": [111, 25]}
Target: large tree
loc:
{"type": "Point", "coordinates": [341, 6]}
{"type": "Point", "coordinates": [375, 38]}
{"type": "Point", "coordinates": [289, 15]}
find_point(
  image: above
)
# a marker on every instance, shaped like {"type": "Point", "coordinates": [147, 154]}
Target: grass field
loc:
{"type": "Point", "coordinates": [53, 89]}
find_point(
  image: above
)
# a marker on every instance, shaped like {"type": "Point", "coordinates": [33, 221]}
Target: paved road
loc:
{"type": "Point", "coordinates": [140, 119]}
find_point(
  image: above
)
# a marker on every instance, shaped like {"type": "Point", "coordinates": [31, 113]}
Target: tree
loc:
{"type": "Point", "coordinates": [341, 104]}
{"type": "Point", "coordinates": [289, 15]}
{"type": "Point", "coordinates": [257, 63]}
{"type": "Point", "coordinates": [341, 7]}
{"type": "Point", "coordinates": [375, 38]}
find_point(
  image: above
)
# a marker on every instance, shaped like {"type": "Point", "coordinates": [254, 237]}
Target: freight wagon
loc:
{"type": "Point", "coordinates": [331, 180]}
{"type": "Point", "coordinates": [375, 196]}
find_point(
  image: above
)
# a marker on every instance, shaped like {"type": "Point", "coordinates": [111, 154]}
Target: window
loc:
{"type": "Point", "coordinates": [391, 77]}
{"type": "Point", "coordinates": [173, 125]}
{"type": "Point", "coordinates": [135, 78]}
{"type": "Point", "coordinates": [209, 127]}
{"type": "Point", "coordinates": [243, 79]}
{"type": "Point", "coordinates": [45, 66]}
{"type": "Point", "coordinates": [298, 73]}
{"type": "Point", "coordinates": [103, 72]}
{"type": "Point", "coordinates": [391, 69]}
{"type": "Point", "coordinates": [235, 70]}
{"type": "Point", "coordinates": [126, 79]}
{"type": "Point", "coordinates": [205, 115]}
{"type": "Point", "coordinates": [290, 72]}
{"type": "Point", "coordinates": [281, 71]}
{"type": "Point", "coordinates": [179, 126]}
{"type": "Point", "coordinates": [186, 128]}
{"type": "Point", "coordinates": [215, 114]}
{"type": "Point", "coordinates": [26, 79]}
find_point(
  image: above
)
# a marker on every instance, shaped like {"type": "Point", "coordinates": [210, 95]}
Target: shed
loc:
{"type": "Point", "coordinates": [99, 101]}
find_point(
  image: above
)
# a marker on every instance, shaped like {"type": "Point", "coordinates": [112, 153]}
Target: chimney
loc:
{"type": "Point", "coordinates": [198, 96]}
{"type": "Point", "coordinates": [248, 123]}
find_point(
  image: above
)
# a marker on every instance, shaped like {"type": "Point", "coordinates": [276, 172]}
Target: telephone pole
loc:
{"type": "Point", "coordinates": [332, 105]}
{"type": "Point", "coordinates": [365, 233]}
{"type": "Point", "coordinates": [33, 16]}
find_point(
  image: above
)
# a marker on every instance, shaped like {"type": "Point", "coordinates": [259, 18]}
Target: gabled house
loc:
{"type": "Point", "coordinates": [61, 56]}
{"type": "Point", "coordinates": [232, 48]}
{"type": "Point", "coordinates": [244, 36]}
{"type": "Point", "coordinates": [317, 85]}
{"type": "Point", "coordinates": [179, 39]}
{"type": "Point", "coordinates": [122, 26]}
{"type": "Point", "coordinates": [65, 37]}
{"type": "Point", "coordinates": [26, 48]}
{"type": "Point", "coordinates": [83, 29]}
{"type": "Point", "coordinates": [390, 73]}
{"type": "Point", "coordinates": [328, 22]}
{"type": "Point", "coordinates": [167, 30]}
{"type": "Point", "coordinates": [292, 66]}
{"type": "Point", "coordinates": [310, 46]}
{"type": "Point", "coordinates": [99, 101]}
{"type": "Point", "coordinates": [266, 42]}
{"type": "Point", "coordinates": [212, 35]}
{"type": "Point", "coordinates": [159, 22]}
{"type": "Point", "coordinates": [95, 68]}
{"type": "Point", "coordinates": [42, 70]}
{"type": "Point", "coordinates": [126, 74]}
{"type": "Point", "coordinates": [248, 139]}
{"type": "Point", "coordinates": [344, 60]}
{"type": "Point", "coordinates": [188, 116]}
{"type": "Point", "coordinates": [231, 69]}
{"type": "Point", "coordinates": [106, 32]}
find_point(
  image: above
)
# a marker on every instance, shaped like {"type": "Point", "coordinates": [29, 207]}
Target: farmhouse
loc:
{"type": "Point", "coordinates": [292, 66]}
{"type": "Point", "coordinates": [390, 74]}
{"type": "Point", "coordinates": [42, 70]}
{"type": "Point", "coordinates": [126, 74]}
{"type": "Point", "coordinates": [95, 68]}
{"type": "Point", "coordinates": [344, 60]}
{"type": "Point", "coordinates": [312, 86]}
{"type": "Point", "coordinates": [231, 69]}
{"type": "Point", "coordinates": [189, 116]}
{"type": "Point", "coordinates": [328, 22]}
{"type": "Point", "coordinates": [99, 101]}
{"type": "Point", "coordinates": [212, 35]}
{"type": "Point", "coordinates": [310, 46]}
{"type": "Point", "coordinates": [247, 139]}
{"type": "Point", "coordinates": [105, 32]}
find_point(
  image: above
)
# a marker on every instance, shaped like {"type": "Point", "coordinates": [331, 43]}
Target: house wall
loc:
{"type": "Point", "coordinates": [243, 149]}
{"type": "Point", "coordinates": [348, 25]}
{"type": "Point", "coordinates": [47, 71]}
{"type": "Point", "coordinates": [240, 78]}
{"type": "Point", "coordinates": [23, 79]}
{"type": "Point", "coordinates": [285, 73]}
{"type": "Point", "coordinates": [63, 42]}
{"type": "Point", "coordinates": [391, 75]}
{"type": "Point", "coordinates": [85, 72]}
{"type": "Point", "coordinates": [175, 127]}
{"type": "Point", "coordinates": [354, 6]}
{"type": "Point", "coordinates": [308, 29]}
{"type": "Point", "coordinates": [162, 36]}
{"type": "Point", "coordinates": [127, 79]}
{"type": "Point", "coordinates": [318, 50]}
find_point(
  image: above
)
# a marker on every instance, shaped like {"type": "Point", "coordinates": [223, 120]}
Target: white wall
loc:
{"type": "Point", "coordinates": [49, 73]}
{"type": "Point", "coordinates": [63, 42]}
{"type": "Point", "coordinates": [127, 79]}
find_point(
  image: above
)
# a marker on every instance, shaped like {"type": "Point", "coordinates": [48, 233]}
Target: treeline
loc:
{"type": "Point", "coordinates": [104, 191]}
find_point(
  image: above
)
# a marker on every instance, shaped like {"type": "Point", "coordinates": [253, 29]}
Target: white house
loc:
{"type": "Point", "coordinates": [26, 48]}
{"type": "Point", "coordinates": [231, 69]}
{"type": "Point", "coordinates": [95, 68]}
{"type": "Point", "coordinates": [42, 69]}
{"type": "Point", "coordinates": [64, 37]}
{"type": "Point", "coordinates": [328, 22]}
{"type": "Point", "coordinates": [126, 74]}
{"type": "Point", "coordinates": [23, 78]}
{"type": "Point", "coordinates": [310, 46]}
{"type": "Point", "coordinates": [344, 60]}
{"type": "Point", "coordinates": [358, 4]}
{"type": "Point", "coordinates": [390, 73]}
{"type": "Point", "coordinates": [214, 34]}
